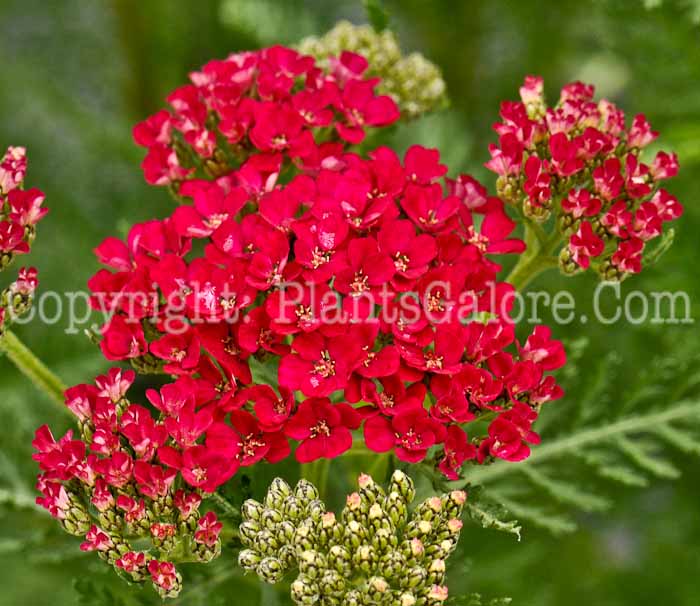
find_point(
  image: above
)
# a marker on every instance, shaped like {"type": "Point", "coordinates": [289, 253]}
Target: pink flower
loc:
{"type": "Point", "coordinates": [360, 108]}
{"type": "Point", "coordinates": [457, 451]}
{"type": "Point", "coordinates": [322, 428]}
{"type": "Point", "coordinates": [163, 574]}
{"type": "Point", "coordinates": [131, 561]}
{"type": "Point", "coordinates": [122, 339]}
{"type": "Point", "coordinates": [608, 179]}
{"type": "Point", "coordinates": [411, 434]}
{"type": "Point", "coordinates": [509, 434]}
{"type": "Point", "coordinates": [580, 203]}
{"type": "Point", "coordinates": [209, 529]}
{"type": "Point", "coordinates": [96, 540]}
{"type": "Point", "coordinates": [585, 244]}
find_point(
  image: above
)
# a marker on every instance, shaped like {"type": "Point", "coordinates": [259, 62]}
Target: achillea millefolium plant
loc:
{"type": "Point", "coordinates": [312, 295]}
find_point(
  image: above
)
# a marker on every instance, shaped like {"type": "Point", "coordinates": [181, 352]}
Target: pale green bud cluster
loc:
{"type": "Point", "coordinates": [415, 83]}
{"type": "Point", "coordinates": [377, 551]}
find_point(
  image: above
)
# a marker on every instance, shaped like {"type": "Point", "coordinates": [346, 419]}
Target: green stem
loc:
{"type": "Point", "coordinates": [33, 368]}
{"type": "Point", "coordinates": [537, 258]}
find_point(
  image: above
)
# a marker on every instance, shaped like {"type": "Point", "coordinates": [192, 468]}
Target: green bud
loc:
{"type": "Point", "coordinates": [248, 532]}
{"type": "Point", "coordinates": [251, 510]}
{"type": "Point", "coordinates": [353, 598]}
{"type": "Point", "coordinates": [370, 491]}
{"type": "Point", "coordinates": [285, 532]}
{"type": "Point", "coordinates": [355, 535]}
{"type": "Point", "coordinates": [407, 599]}
{"type": "Point", "coordinates": [306, 492]}
{"type": "Point", "coordinates": [377, 590]}
{"type": "Point", "coordinates": [429, 510]}
{"type": "Point", "coordinates": [384, 539]}
{"type": "Point", "coordinates": [415, 577]}
{"type": "Point", "coordinates": [248, 560]}
{"type": "Point", "coordinates": [304, 590]}
{"type": "Point", "coordinates": [293, 508]}
{"type": "Point", "coordinates": [396, 510]}
{"type": "Point", "coordinates": [332, 584]}
{"type": "Point", "coordinates": [287, 554]}
{"type": "Point", "coordinates": [305, 535]}
{"type": "Point", "coordinates": [392, 565]}
{"type": "Point", "coordinates": [454, 503]}
{"type": "Point", "coordinates": [279, 490]}
{"type": "Point", "coordinates": [436, 572]}
{"type": "Point", "coordinates": [312, 563]}
{"type": "Point", "coordinates": [418, 529]}
{"type": "Point", "coordinates": [340, 559]}
{"type": "Point", "coordinates": [402, 484]}
{"type": "Point", "coordinates": [365, 558]}
{"type": "Point", "coordinates": [271, 518]}
{"type": "Point", "coordinates": [266, 542]}
{"type": "Point", "coordinates": [271, 570]}
{"type": "Point", "coordinates": [315, 510]}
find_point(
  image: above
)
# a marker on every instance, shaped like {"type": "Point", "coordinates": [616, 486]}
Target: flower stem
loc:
{"type": "Point", "coordinates": [33, 368]}
{"type": "Point", "coordinates": [537, 258]}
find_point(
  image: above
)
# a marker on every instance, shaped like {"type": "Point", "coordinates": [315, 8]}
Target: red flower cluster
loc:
{"type": "Point", "coordinates": [20, 211]}
{"type": "Point", "coordinates": [580, 160]}
{"type": "Point", "coordinates": [109, 485]}
{"type": "Point", "coordinates": [274, 101]}
{"type": "Point", "coordinates": [370, 283]}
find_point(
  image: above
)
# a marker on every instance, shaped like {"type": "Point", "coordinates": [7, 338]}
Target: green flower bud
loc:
{"type": "Point", "coordinates": [332, 584]}
{"type": "Point", "coordinates": [377, 590]}
{"type": "Point", "coordinates": [288, 555]}
{"type": "Point", "coordinates": [251, 510]}
{"type": "Point", "coordinates": [285, 532]}
{"type": "Point", "coordinates": [305, 535]}
{"type": "Point", "coordinates": [293, 508]}
{"type": "Point", "coordinates": [353, 598]}
{"type": "Point", "coordinates": [402, 484]}
{"type": "Point", "coordinates": [315, 510]}
{"type": "Point", "coordinates": [436, 572]}
{"type": "Point", "coordinates": [271, 518]}
{"type": "Point", "coordinates": [407, 599]}
{"type": "Point", "coordinates": [312, 563]}
{"type": "Point", "coordinates": [415, 577]}
{"type": "Point", "coordinates": [370, 491]}
{"type": "Point", "coordinates": [392, 565]}
{"type": "Point", "coordinates": [429, 509]}
{"type": "Point", "coordinates": [266, 542]}
{"type": "Point", "coordinates": [384, 539]}
{"type": "Point", "coordinates": [330, 531]}
{"type": "Point", "coordinates": [248, 532]}
{"type": "Point", "coordinates": [279, 490]}
{"type": "Point", "coordinates": [396, 509]}
{"type": "Point", "coordinates": [454, 503]}
{"type": "Point", "coordinates": [355, 535]}
{"type": "Point", "coordinates": [365, 558]}
{"type": "Point", "coordinates": [340, 559]}
{"type": "Point", "coordinates": [419, 529]}
{"type": "Point", "coordinates": [248, 560]}
{"type": "Point", "coordinates": [306, 492]}
{"type": "Point", "coordinates": [271, 570]}
{"type": "Point", "coordinates": [304, 590]}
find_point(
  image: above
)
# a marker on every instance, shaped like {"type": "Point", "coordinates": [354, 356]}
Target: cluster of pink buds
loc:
{"type": "Point", "coordinates": [579, 161]}
{"type": "Point", "coordinates": [274, 101]}
{"type": "Point", "coordinates": [365, 284]}
{"type": "Point", "coordinates": [20, 211]}
{"type": "Point", "coordinates": [108, 485]}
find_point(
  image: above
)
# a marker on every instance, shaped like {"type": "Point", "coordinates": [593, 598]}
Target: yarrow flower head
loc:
{"type": "Point", "coordinates": [379, 550]}
{"type": "Point", "coordinates": [581, 162]}
{"type": "Point", "coordinates": [369, 280]}
{"type": "Point", "coordinates": [414, 82]}
{"type": "Point", "coordinates": [132, 485]}
{"type": "Point", "coordinates": [20, 211]}
{"type": "Point", "coordinates": [276, 102]}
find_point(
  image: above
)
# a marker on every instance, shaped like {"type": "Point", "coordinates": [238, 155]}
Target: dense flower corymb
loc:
{"type": "Point", "coordinates": [580, 161]}
{"type": "Point", "coordinates": [130, 479]}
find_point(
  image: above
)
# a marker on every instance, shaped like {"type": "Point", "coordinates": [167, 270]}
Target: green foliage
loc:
{"type": "Point", "coordinates": [376, 14]}
{"type": "Point", "coordinates": [623, 440]}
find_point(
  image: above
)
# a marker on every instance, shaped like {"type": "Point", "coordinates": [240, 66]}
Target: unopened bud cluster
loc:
{"type": "Point", "coordinates": [20, 211]}
{"type": "Point", "coordinates": [378, 551]}
{"type": "Point", "coordinates": [415, 83]}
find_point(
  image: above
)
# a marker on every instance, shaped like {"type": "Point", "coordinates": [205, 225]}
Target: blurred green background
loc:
{"type": "Point", "coordinates": [76, 76]}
